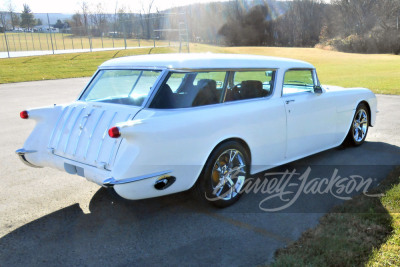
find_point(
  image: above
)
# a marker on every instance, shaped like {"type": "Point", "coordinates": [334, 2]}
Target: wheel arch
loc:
{"type": "Point", "coordinates": [368, 110]}
{"type": "Point", "coordinates": [234, 139]}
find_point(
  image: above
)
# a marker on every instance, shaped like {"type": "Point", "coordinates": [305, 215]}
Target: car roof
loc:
{"type": "Point", "coordinates": [197, 61]}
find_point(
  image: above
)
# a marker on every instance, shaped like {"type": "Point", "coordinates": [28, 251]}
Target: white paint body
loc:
{"type": "Point", "coordinates": [181, 140]}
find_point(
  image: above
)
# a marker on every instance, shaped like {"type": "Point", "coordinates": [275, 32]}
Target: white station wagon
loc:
{"type": "Point", "coordinates": [153, 125]}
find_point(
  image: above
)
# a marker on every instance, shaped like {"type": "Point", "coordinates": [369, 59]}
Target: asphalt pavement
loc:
{"type": "Point", "coordinates": [52, 218]}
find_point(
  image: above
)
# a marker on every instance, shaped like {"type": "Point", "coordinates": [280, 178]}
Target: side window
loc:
{"type": "Point", "coordinates": [296, 81]}
{"type": "Point", "coordinates": [250, 84]}
{"type": "Point", "coordinates": [190, 89]}
{"type": "Point", "coordinates": [175, 80]}
{"type": "Point", "coordinates": [218, 77]}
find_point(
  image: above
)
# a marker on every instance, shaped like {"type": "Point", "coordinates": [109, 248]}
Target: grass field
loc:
{"type": "Point", "coordinates": [379, 73]}
{"type": "Point", "coordinates": [364, 231]}
{"type": "Point", "coordinates": [27, 41]}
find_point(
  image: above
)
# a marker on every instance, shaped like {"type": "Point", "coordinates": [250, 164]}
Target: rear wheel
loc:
{"type": "Point", "coordinates": [359, 126]}
{"type": "Point", "coordinates": [223, 175]}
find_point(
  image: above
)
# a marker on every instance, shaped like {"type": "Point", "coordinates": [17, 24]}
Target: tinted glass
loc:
{"type": "Point", "coordinates": [128, 87]}
{"type": "Point", "coordinates": [298, 81]}
{"type": "Point", "coordinates": [250, 84]}
{"type": "Point", "coordinates": [190, 89]}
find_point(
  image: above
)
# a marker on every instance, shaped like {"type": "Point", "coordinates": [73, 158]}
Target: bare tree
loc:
{"type": "Point", "coordinates": [85, 15]}
{"type": "Point", "coordinates": [99, 20]}
{"type": "Point", "coordinates": [145, 16]}
{"type": "Point", "coordinates": [14, 18]}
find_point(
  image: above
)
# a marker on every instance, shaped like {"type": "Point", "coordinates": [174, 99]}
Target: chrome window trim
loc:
{"type": "Point", "coordinates": [143, 105]}
{"type": "Point", "coordinates": [228, 77]}
{"type": "Point", "coordinates": [284, 74]}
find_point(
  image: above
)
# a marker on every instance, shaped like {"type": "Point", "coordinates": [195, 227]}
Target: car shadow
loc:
{"type": "Point", "coordinates": [176, 229]}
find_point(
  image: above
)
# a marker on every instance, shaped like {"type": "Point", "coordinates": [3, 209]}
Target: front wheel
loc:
{"type": "Point", "coordinates": [359, 126]}
{"type": "Point", "coordinates": [224, 175]}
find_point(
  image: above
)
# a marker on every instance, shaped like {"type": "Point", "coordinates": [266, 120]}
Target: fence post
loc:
{"type": "Point", "coordinates": [15, 48]}
{"type": "Point", "coordinates": [55, 38]}
{"type": "Point", "coordinates": [62, 33]}
{"type": "Point", "coordinates": [51, 38]}
{"type": "Point", "coordinates": [81, 39]}
{"type": "Point", "coordinates": [5, 37]}
{"type": "Point", "coordinates": [123, 28]}
{"type": "Point", "coordinates": [90, 40]}
{"type": "Point", "coordinates": [40, 42]}
{"type": "Point", "coordinates": [47, 40]}
{"type": "Point", "coordinates": [26, 42]}
{"type": "Point", "coordinates": [33, 42]}
{"type": "Point", "coordinates": [19, 40]}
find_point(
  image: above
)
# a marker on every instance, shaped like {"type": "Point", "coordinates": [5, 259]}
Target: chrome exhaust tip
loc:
{"type": "Point", "coordinates": [164, 182]}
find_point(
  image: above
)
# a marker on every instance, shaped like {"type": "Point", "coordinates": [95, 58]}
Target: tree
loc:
{"type": "Point", "coordinates": [59, 24]}
{"type": "Point", "coordinates": [146, 20]}
{"type": "Point", "coordinates": [3, 23]}
{"type": "Point", "coordinates": [85, 15]}
{"type": "Point", "coordinates": [27, 19]}
{"type": "Point", "coordinates": [15, 21]}
{"type": "Point", "coordinates": [39, 22]}
{"type": "Point", "coordinates": [99, 21]}
{"type": "Point", "coordinates": [301, 25]}
{"type": "Point", "coordinates": [250, 28]}
{"type": "Point", "coordinates": [76, 24]}
{"type": "Point", "coordinates": [365, 26]}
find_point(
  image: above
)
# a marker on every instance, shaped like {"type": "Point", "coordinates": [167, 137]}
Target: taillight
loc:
{"type": "Point", "coordinates": [114, 132]}
{"type": "Point", "coordinates": [24, 114]}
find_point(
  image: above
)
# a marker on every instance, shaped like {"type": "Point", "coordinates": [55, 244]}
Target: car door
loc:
{"type": "Point", "coordinates": [310, 116]}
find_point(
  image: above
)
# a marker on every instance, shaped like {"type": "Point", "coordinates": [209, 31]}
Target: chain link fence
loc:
{"type": "Point", "coordinates": [46, 39]}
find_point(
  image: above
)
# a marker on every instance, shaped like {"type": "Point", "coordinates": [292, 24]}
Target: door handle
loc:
{"type": "Point", "coordinates": [288, 101]}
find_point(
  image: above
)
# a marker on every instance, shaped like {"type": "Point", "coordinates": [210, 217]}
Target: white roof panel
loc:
{"type": "Point", "coordinates": [204, 61]}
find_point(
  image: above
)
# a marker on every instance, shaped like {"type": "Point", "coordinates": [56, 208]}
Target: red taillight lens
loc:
{"type": "Point", "coordinates": [24, 114]}
{"type": "Point", "coordinates": [113, 132]}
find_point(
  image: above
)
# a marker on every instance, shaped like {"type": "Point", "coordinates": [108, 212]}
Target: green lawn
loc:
{"type": "Point", "coordinates": [62, 66]}
{"type": "Point", "coordinates": [379, 73]}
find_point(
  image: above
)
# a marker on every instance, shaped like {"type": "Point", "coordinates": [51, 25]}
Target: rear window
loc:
{"type": "Point", "coordinates": [129, 87]}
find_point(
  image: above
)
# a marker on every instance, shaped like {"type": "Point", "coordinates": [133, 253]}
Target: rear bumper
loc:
{"type": "Point", "coordinates": [112, 181]}
{"type": "Point", "coordinates": [21, 154]}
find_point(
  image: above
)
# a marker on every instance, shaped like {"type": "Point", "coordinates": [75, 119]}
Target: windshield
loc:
{"type": "Point", "coordinates": [128, 87]}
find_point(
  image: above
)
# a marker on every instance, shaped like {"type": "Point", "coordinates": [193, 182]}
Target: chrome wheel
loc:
{"type": "Point", "coordinates": [228, 174]}
{"type": "Point", "coordinates": [360, 125]}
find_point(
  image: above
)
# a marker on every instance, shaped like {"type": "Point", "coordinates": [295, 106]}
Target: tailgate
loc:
{"type": "Point", "coordinates": [81, 132]}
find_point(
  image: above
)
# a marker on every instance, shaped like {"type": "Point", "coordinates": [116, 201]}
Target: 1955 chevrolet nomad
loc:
{"type": "Point", "coordinates": [153, 125]}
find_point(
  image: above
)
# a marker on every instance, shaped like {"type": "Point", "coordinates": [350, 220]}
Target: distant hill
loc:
{"type": "Point", "coordinates": [53, 17]}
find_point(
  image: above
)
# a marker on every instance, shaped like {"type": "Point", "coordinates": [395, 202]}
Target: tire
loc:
{"type": "Point", "coordinates": [359, 126]}
{"type": "Point", "coordinates": [223, 175]}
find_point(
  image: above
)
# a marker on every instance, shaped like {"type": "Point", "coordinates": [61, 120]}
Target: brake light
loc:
{"type": "Point", "coordinates": [24, 114]}
{"type": "Point", "coordinates": [114, 132]}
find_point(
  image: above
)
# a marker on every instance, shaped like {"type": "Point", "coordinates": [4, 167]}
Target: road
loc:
{"type": "Point", "coordinates": [51, 218]}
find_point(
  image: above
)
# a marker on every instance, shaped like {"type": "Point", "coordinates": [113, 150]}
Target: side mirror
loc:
{"type": "Point", "coordinates": [317, 90]}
